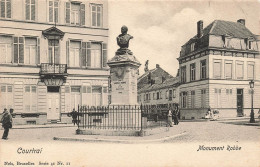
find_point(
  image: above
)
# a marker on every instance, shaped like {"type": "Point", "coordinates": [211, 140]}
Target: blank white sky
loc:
{"type": "Point", "coordinates": [160, 28]}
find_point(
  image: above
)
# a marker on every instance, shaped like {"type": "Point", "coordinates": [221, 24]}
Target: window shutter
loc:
{"type": "Point", "coordinates": [50, 11]}
{"type": "Point", "coordinates": [27, 10]}
{"type": "Point", "coordinates": [8, 8]}
{"type": "Point", "coordinates": [15, 43]}
{"type": "Point", "coordinates": [21, 49]}
{"type": "Point", "coordinates": [2, 8]}
{"type": "Point", "coordinates": [68, 52]}
{"type": "Point", "coordinates": [104, 51]}
{"type": "Point", "coordinates": [33, 10]}
{"type": "Point", "coordinates": [38, 52]}
{"type": "Point", "coordinates": [83, 53]}
{"type": "Point", "coordinates": [82, 14]}
{"type": "Point", "coordinates": [67, 12]}
{"type": "Point", "coordinates": [89, 54]}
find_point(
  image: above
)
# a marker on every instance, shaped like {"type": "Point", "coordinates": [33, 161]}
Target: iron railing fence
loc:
{"type": "Point", "coordinates": [120, 117]}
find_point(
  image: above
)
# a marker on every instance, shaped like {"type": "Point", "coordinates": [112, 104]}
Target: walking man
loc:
{"type": "Point", "coordinates": [175, 117]}
{"type": "Point", "coordinates": [6, 123]}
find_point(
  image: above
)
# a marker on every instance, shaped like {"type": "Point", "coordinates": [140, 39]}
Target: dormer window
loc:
{"type": "Point", "coordinates": [192, 47]}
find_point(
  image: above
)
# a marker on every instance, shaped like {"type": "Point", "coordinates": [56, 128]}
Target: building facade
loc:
{"type": "Point", "coordinates": [157, 87]}
{"type": "Point", "coordinates": [53, 58]}
{"type": "Point", "coordinates": [216, 67]}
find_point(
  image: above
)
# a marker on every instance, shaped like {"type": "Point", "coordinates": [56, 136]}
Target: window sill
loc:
{"type": "Point", "coordinates": [19, 65]}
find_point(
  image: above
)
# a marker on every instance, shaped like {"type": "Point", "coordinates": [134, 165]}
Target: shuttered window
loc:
{"type": "Point", "coordinates": [239, 70]}
{"type": "Point", "coordinates": [5, 49]}
{"type": "Point", "coordinates": [30, 56]}
{"type": "Point", "coordinates": [193, 99]}
{"type": "Point", "coordinates": [192, 72]}
{"type": "Point", "coordinates": [203, 69]}
{"type": "Point", "coordinates": [5, 7]}
{"type": "Point", "coordinates": [54, 51]}
{"type": "Point", "coordinates": [74, 54]}
{"type": "Point", "coordinates": [96, 55]}
{"type": "Point", "coordinates": [228, 70]}
{"type": "Point", "coordinates": [6, 98]}
{"type": "Point", "coordinates": [30, 9]}
{"type": "Point", "coordinates": [250, 71]}
{"type": "Point", "coordinates": [217, 69]}
{"type": "Point", "coordinates": [18, 43]}
{"type": "Point", "coordinates": [96, 15]}
{"type": "Point", "coordinates": [183, 74]}
{"type": "Point", "coordinates": [54, 11]}
{"type": "Point", "coordinates": [30, 94]}
{"type": "Point", "coordinates": [75, 13]}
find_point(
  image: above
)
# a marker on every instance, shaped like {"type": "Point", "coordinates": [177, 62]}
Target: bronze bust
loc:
{"type": "Point", "coordinates": [123, 42]}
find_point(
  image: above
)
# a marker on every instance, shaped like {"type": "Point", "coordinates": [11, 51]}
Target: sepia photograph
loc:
{"type": "Point", "coordinates": [149, 83]}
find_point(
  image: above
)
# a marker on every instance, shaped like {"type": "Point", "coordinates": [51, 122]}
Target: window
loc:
{"type": "Point", "coordinates": [30, 94]}
{"type": "Point", "coordinates": [5, 49]}
{"type": "Point", "coordinates": [183, 96]}
{"type": "Point", "coordinates": [53, 11]}
{"type": "Point", "coordinates": [203, 69]}
{"type": "Point", "coordinates": [158, 95]}
{"type": "Point", "coordinates": [154, 96]}
{"type": "Point", "coordinates": [96, 55]}
{"type": "Point", "coordinates": [96, 15]}
{"type": "Point", "coordinates": [183, 74]}
{"type": "Point", "coordinates": [75, 13]}
{"type": "Point", "coordinates": [250, 44]}
{"type": "Point", "coordinates": [6, 97]}
{"type": "Point", "coordinates": [96, 95]}
{"type": "Point", "coordinates": [30, 9]}
{"type": "Point", "coordinates": [217, 69]}
{"type": "Point", "coordinates": [193, 99]}
{"type": "Point", "coordinates": [54, 51]}
{"type": "Point", "coordinates": [166, 94]}
{"type": "Point", "coordinates": [174, 93]}
{"type": "Point", "coordinates": [192, 46]}
{"type": "Point", "coordinates": [30, 51]}
{"type": "Point", "coordinates": [239, 70]}
{"type": "Point", "coordinates": [250, 71]}
{"type": "Point", "coordinates": [192, 72]}
{"type": "Point", "coordinates": [5, 7]}
{"type": "Point", "coordinates": [18, 50]}
{"type": "Point", "coordinates": [74, 59]}
{"type": "Point", "coordinates": [170, 94]}
{"type": "Point", "coordinates": [203, 98]}
{"type": "Point", "coordinates": [228, 70]}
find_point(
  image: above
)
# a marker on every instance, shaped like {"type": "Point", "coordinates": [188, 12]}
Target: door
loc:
{"type": "Point", "coordinates": [75, 97]}
{"type": "Point", "coordinates": [240, 104]}
{"type": "Point", "coordinates": [53, 97]}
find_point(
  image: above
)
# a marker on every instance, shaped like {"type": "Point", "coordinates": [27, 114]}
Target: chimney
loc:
{"type": "Point", "coordinates": [242, 21]}
{"type": "Point", "coordinates": [199, 28]}
{"type": "Point", "coordinates": [157, 66]}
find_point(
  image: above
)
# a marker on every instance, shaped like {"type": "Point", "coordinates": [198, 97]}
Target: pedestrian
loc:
{"type": "Point", "coordinates": [169, 118]}
{"type": "Point", "coordinates": [6, 123]}
{"type": "Point", "coordinates": [175, 116]}
{"type": "Point", "coordinates": [74, 116]}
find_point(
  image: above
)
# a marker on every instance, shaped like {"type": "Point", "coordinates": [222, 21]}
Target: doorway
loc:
{"type": "Point", "coordinates": [240, 103]}
{"type": "Point", "coordinates": [53, 97]}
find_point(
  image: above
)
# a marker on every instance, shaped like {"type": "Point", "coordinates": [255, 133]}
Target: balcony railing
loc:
{"type": "Point", "coordinates": [47, 68]}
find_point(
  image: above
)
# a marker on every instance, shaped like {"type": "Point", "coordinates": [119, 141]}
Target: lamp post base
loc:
{"type": "Point", "coordinates": [252, 117]}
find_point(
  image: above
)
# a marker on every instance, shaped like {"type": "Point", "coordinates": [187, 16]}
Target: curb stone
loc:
{"type": "Point", "coordinates": [120, 140]}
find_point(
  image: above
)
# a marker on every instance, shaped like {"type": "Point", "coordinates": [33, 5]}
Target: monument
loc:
{"type": "Point", "coordinates": [124, 72]}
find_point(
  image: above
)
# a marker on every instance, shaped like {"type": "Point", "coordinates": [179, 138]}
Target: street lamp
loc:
{"type": "Point", "coordinates": [252, 115]}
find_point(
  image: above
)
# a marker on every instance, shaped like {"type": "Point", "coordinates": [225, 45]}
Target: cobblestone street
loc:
{"type": "Point", "coordinates": [207, 131]}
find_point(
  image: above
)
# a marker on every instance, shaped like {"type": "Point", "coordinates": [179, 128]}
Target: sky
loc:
{"type": "Point", "coordinates": [160, 28]}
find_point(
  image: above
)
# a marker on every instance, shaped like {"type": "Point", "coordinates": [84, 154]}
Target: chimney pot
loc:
{"type": "Point", "coordinates": [242, 21]}
{"type": "Point", "coordinates": [157, 65]}
{"type": "Point", "coordinates": [199, 28]}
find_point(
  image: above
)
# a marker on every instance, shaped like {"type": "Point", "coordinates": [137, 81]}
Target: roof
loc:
{"type": "Point", "coordinates": [146, 73]}
{"type": "Point", "coordinates": [167, 83]}
{"type": "Point", "coordinates": [228, 28]}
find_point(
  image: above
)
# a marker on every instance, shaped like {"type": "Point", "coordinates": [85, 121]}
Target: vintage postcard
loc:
{"type": "Point", "coordinates": [103, 83]}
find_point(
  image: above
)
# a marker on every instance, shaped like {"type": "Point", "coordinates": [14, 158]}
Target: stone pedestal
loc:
{"type": "Point", "coordinates": [123, 72]}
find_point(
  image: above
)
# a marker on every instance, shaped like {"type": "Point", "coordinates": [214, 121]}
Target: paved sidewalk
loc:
{"type": "Point", "coordinates": [42, 126]}
{"type": "Point", "coordinates": [170, 133]}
